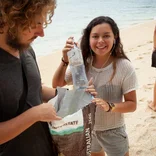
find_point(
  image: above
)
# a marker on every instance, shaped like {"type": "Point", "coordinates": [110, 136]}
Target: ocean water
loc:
{"type": "Point", "coordinates": [72, 16]}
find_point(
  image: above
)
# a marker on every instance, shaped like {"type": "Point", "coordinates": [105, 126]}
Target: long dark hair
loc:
{"type": "Point", "coordinates": [117, 52]}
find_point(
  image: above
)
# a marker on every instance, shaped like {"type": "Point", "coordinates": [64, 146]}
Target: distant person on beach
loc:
{"type": "Point", "coordinates": [152, 104]}
{"type": "Point", "coordinates": [114, 79]}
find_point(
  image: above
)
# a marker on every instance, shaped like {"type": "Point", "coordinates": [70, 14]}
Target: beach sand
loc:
{"type": "Point", "coordinates": [141, 124]}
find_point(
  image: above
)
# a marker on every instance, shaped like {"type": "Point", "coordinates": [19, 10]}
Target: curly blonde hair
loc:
{"type": "Point", "coordinates": [21, 13]}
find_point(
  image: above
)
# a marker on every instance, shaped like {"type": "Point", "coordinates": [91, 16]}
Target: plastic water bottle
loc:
{"type": "Point", "coordinates": [77, 68]}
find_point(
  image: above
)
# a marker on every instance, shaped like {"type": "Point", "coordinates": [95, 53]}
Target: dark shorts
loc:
{"type": "Point", "coordinates": [154, 59]}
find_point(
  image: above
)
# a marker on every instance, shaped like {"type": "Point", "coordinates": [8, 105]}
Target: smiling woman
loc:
{"type": "Point", "coordinates": [114, 79]}
{"type": "Point", "coordinates": [101, 42]}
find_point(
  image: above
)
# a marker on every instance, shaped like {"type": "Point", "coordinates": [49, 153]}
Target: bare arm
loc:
{"type": "Point", "coordinates": [48, 93]}
{"type": "Point", "coordinates": [128, 106]}
{"type": "Point", "coordinates": [12, 128]}
{"type": "Point", "coordinates": [59, 76]}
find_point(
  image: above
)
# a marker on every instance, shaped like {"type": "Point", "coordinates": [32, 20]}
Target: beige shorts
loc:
{"type": "Point", "coordinates": [114, 142]}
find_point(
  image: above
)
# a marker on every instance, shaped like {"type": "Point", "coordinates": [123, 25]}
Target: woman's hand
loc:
{"type": "Point", "coordinates": [91, 88]}
{"type": "Point", "coordinates": [69, 45]}
{"type": "Point", "coordinates": [100, 102]}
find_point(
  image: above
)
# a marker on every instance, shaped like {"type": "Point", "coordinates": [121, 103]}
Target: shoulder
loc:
{"type": "Point", "coordinates": [124, 64]}
{"type": "Point", "coordinates": [32, 52]}
{"type": "Point", "coordinates": [28, 53]}
{"type": "Point", "coordinates": [125, 67]}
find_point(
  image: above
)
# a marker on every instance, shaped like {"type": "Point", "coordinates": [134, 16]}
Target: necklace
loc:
{"type": "Point", "coordinates": [100, 71]}
{"type": "Point", "coordinates": [103, 63]}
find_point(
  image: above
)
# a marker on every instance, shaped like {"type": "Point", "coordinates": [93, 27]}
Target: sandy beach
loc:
{"type": "Point", "coordinates": [141, 124]}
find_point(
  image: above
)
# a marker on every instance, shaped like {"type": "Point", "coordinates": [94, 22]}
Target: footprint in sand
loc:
{"type": "Point", "coordinates": [138, 126]}
{"type": "Point", "coordinates": [149, 41]}
{"type": "Point", "coordinates": [149, 50]}
{"type": "Point", "coordinates": [139, 45]}
{"type": "Point", "coordinates": [145, 53]}
{"type": "Point", "coordinates": [139, 58]}
{"type": "Point", "coordinates": [139, 152]}
{"type": "Point", "coordinates": [151, 119]}
{"type": "Point", "coordinates": [142, 99]}
{"type": "Point", "coordinates": [148, 86]}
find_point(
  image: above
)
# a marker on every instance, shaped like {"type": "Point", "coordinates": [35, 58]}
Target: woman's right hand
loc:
{"type": "Point", "coordinates": [69, 45]}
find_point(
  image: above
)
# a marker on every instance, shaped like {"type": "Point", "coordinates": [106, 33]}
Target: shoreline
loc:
{"type": "Point", "coordinates": [50, 42]}
{"type": "Point", "coordinates": [132, 38]}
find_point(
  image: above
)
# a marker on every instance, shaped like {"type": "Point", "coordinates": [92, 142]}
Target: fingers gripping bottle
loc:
{"type": "Point", "coordinates": [77, 68]}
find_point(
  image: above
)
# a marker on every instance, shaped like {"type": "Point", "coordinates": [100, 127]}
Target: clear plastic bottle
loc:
{"type": "Point", "coordinates": [77, 68]}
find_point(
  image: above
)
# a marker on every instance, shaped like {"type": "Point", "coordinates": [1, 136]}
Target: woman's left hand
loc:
{"type": "Point", "coordinates": [100, 102]}
{"type": "Point", "coordinates": [91, 88]}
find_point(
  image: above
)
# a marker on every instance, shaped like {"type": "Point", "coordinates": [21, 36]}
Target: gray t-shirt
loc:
{"type": "Point", "coordinates": [124, 81]}
{"type": "Point", "coordinates": [20, 89]}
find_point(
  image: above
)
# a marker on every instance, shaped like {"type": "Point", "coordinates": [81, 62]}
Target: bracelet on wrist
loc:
{"type": "Point", "coordinates": [111, 106]}
{"type": "Point", "coordinates": [56, 92]}
{"type": "Point", "coordinates": [64, 62]}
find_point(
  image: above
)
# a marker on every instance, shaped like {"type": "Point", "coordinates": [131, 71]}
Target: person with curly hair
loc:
{"type": "Point", "coordinates": [115, 82]}
{"type": "Point", "coordinates": [24, 112]}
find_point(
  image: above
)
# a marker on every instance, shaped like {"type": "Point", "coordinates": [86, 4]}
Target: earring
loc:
{"type": "Point", "coordinates": [91, 57]}
{"type": "Point", "coordinates": [114, 41]}
{"type": "Point", "coordinates": [91, 52]}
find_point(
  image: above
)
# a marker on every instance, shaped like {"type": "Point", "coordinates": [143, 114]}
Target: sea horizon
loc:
{"type": "Point", "coordinates": [70, 18]}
